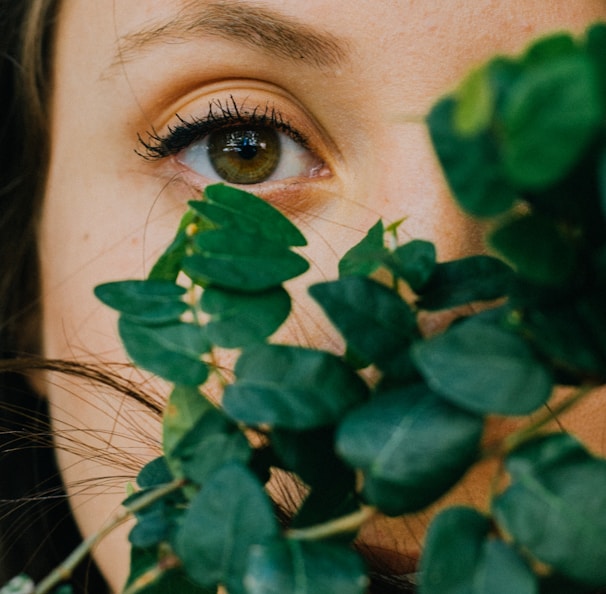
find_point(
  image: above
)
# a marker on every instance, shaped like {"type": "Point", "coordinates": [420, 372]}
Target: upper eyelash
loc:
{"type": "Point", "coordinates": [186, 132]}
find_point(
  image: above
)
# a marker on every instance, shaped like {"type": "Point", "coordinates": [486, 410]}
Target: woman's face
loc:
{"type": "Point", "coordinates": [343, 84]}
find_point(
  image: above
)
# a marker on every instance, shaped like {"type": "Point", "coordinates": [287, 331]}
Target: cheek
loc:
{"type": "Point", "coordinates": [95, 230]}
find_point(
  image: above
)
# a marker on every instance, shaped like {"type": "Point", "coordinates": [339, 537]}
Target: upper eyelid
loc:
{"type": "Point", "coordinates": [187, 131]}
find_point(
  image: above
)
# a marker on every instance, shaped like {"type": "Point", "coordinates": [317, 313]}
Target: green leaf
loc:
{"type": "Point", "coordinates": [153, 527]}
{"type": "Point", "coordinates": [453, 548]}
{"type": "Point", "coordinates": [157, 520]}
{"type": "Point", "coordinates": [213, 441]}
{"type": "Point", "coordinates": [367, 256]}
{"type": "Point", "coordinates": [413, 262]}
{"type": "Point", "coordinates": [572, 335]}
{"type": "Point", "coordinates": [502, 571]}
{"type": "Point", "coordinates": [475, 103]}
{"type": "Point", "coordinates": [168, 266]}
{"type": "Point", "coordinates": [147, 302]}
{"type": "Point", "coordinates": [463, 281]}
{"type": "Point", "coordinates": [291, 387]}
{"type": "Point", "coordinates": [459, 558]}
{"type": "Point", "coordinates": [411, 445]}
{"type": "Point", "coordinates": [240, 211]}
{"type": "Point", "coordinates": [602, 181]}
{"type": "Point", "coordinates": [227, 517]}
{"type": "Point", "coordinates": [537, 249]}
{"type": "Point", "coordinates": [327, 503]}
{"type": "Point", "coordinates": [310, 454]}
{"type": "Point", "coordinates": [294, 567]}
{"type": "Point", "coordinates": [154, 473]}
{"type": "Point", "coordinates": [549, 117]}
{"type": "Point", "coordinates": [484, 368]}
{"type": "Point", "coordinates": [184, 407]}
{"type": "Point", "coordinates": [241, 261]}
{"type": "Point", "coordinates": [171, 351]}
{"type": "Point", "coordinates": [550, 48]}
{"type": "Point", "coordinates": [471, 164]}
{"type": "Point", "coordinates": [376, 323]}
{"type": "Point", "coordinates": [148, 567]}
{"type": "Point", "coordinates": [596, 48]}
{"type": "Point", "coordinates": [239, 320]}
{"type": "Point", "coordinates": [555, 506]}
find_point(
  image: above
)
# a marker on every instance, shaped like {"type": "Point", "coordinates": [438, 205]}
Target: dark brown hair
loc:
{"type": "Point", "coordinates": [36, 527]}
{"type": "Point", "coordinates": [25, 82]}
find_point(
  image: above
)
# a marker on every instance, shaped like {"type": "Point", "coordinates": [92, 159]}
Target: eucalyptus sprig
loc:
{"type": "Point", "coordinates": [522, 143]}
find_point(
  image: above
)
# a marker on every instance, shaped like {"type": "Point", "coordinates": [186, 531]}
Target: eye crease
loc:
{"type": "Point", "coordinates": [236, 145]}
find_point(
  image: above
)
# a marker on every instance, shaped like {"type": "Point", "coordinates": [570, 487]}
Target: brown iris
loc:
{"type": "Point", "coordinates": [244, 155]}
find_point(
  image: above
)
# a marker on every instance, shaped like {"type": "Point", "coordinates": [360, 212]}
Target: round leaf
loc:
{"type": "Point", "coordinates": [549, 117]}
{"type": "Point", "coordinates": [411, 445]}
{"type": "Point", "coordinates": [459, 282]}
{"type": "Point", "coordinates": [365, 257]}
{"type": "Point", "coordinates": [225, 519]}
{"type": "Point", "coordinates": [168, 265]}
{"type": "Point", "coordinates": [414, 262]}
{"type": "Point", "coordinates": [183, 409]}
{"type": "Point", "coordinates": [154, 473]}
{"type": "Point", "coordinates": [460, 557]}
{"type": "Point", "coordinates": [171, 351]}
{"type": "Point", "coordinates": [556, 506]}
{"type": "Point", "coordinates": [241, 261]}
{"type": "Point", "coordinates": [475, 103]}
{"type": "Point", "coordinates": [484, 368]}
{"type": "Point", "coordinates": [596, 48]}
{"type": "Point", "coordinates": [244, 212]}
{"type": "Point", "coordinates": [471, 164]}
{"type": "Point", "coordinates": [453, 547]}
{"type": "Point", "coordinates": [213, 441]}
{"type": "Point", "coordinates": [150, 301]}
{"type": "Point", "coordinates": [376, 323]}
{"type": "Point", "coordinates": [238, 320]}
{"type": "Point", "coordinates": [293, 567]}
{"type": "Point", "coordinates": [291, 387]}
{"type": "Point", "coordinates": [536, 248]}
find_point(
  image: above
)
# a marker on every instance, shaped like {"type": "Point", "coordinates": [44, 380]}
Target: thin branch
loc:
{"type": "Point", "coordinates": [340, 525]}
{"type": "Point", "coordinates": [64, 571]}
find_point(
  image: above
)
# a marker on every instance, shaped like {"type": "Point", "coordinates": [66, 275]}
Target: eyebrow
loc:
{"type": "Point", "coordinates": [248, 24]}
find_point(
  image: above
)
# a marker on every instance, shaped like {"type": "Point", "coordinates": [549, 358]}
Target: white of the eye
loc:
{"type": "Point", "coordinates": [295, 160]}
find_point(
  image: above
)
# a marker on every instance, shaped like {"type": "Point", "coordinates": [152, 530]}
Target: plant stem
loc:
{"type": "Point", "coordinates": [64, 571]}
{"type": "Point", "coordinates": [518, 438]}
{"type": "Point", "coordinates": [347, 523]}
{"type": "Point", "coordinates": [153, 574]}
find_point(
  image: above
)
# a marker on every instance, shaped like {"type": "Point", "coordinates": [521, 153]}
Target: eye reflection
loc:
{"type": "Point", "coordinates": [250, 155]}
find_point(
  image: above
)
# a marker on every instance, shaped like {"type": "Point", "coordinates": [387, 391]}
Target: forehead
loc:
{"type": "Point", "coordinates": [424, 45]}
{"type": "Point", "coordinates": [394, 25]}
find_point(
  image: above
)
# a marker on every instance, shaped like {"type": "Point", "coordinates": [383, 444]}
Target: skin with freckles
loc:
{"type": "Point", "coordinates": [345, 87]}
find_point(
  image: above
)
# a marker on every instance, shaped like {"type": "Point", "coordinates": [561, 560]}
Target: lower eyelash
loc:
{"type": "Point", "coordinates": [220, 116]}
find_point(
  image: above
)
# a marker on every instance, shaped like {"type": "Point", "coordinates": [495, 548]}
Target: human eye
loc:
{"type": "Point", "coordinates": [237, 144]}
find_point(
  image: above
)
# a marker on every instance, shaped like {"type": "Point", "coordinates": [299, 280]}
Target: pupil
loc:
{"type": "Point", "coordinates": [247, 149]}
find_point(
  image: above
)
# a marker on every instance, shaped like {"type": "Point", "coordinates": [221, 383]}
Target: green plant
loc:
{"type": "Point", "coordinates": [523, 145]}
